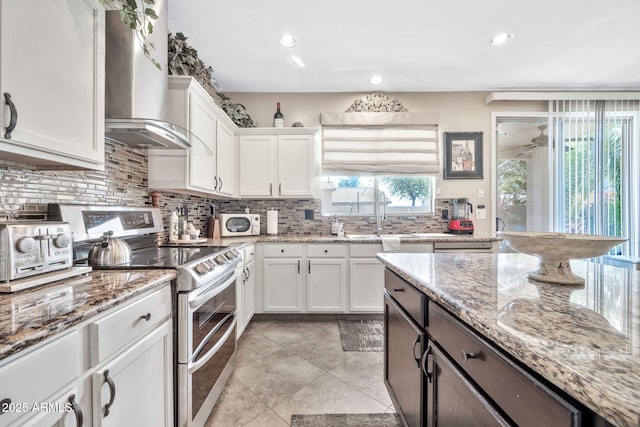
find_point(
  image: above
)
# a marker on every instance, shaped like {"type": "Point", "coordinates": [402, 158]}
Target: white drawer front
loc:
{"type": "Point", "coordinates": [249, 253]}
{"type": "Point", "coordinates": [329, 251]}
{"type": "Point", "coordinates": [368, 251]}
{"type": "Point", "coordinates": [111, 333]}
{"type": "Point", "coordinates": [35, 377]}
{"type": "Point", "coordinates": [283, 250]}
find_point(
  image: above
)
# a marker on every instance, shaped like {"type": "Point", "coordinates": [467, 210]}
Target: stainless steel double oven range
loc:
{"type": "Point", "coordinates": [204, 297]}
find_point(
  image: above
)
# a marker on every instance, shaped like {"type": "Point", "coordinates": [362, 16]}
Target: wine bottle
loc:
{"type": "Point", "coordinates": [278, 117]}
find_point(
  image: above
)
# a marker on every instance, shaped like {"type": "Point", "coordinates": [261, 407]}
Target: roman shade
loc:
{"type": "Point", "coordinates": [380, 143]}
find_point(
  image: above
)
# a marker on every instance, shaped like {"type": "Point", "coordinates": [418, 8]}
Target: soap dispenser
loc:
{"type": "Point", "coordinates": [334, 225]}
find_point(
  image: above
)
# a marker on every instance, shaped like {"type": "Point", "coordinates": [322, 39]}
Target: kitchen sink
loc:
{"type": "Point", "coordinates": [431, 235]}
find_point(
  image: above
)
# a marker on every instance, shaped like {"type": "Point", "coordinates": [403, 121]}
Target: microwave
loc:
{"type": "Point", "coordinates": [239, 225]}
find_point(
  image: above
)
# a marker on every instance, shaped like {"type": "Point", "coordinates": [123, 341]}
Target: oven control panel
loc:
{"type": "Point", "coordinates": [208, 270]}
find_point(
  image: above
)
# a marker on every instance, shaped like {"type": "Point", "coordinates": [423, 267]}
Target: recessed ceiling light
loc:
{"type": "Point", "coordinates": [297, 60]}
{"type": "Point", "coordinates": [501, 39]}
{"type": "Point", "coordinates": [287, 40]}
{"type": "Point", "coordinates": [376, 80]}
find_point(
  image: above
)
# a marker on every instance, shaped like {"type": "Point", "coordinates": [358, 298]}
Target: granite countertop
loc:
{"type": "Point", "coordinates": [584, 339]}
{"type": "Point", "coordinates": [349, 238]}
{"type": "Point", "coordinates": [33, 315]}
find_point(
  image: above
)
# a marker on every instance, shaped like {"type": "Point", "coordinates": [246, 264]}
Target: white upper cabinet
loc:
{"type": "Point", "coordinates": [279, 163]}
{"type": "Point", "coordinates": [207, 168]}
{"type": "Point", "coordinates": [52, 70]}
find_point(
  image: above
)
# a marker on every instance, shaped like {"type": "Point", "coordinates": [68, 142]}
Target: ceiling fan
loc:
{"type": "Point", "coordinates": [524, 150]}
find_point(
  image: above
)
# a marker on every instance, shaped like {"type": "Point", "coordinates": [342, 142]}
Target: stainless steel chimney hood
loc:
{"type": "Point", "coordinates": [136, 90]}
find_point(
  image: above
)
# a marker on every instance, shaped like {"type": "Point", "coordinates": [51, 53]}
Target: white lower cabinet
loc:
{"type": "Point", "coordinates": [283, 285]}
{"type": "Point", "coordinates": [123, 358]}
{"type": "Point", "coordinates": [245, 289]}
{"type": "Point", "coordinates": [135, 388]}
{"type": "Point", "coordinates": [366, 285]}
{"type": "Point", "coordinates": [326, 285]}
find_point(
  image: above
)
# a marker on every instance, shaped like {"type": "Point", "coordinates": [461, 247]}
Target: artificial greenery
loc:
{"type": "Point", "coordinates": [183, 61]}
{"type": "Point", "coordinates": [138, 19]}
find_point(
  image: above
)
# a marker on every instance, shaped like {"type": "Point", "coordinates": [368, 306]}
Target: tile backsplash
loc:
{"type": "Point", "coordinates": [124, 182]}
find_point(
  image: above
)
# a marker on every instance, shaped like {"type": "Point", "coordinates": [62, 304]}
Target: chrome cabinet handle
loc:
{"type": "Point", "coordinates": [398, 289]}
{"type": "Point", "coordinates": [76, 410]}
{"type": "Point", "coordinates": [13, 121]}
{"type": "Point", "coordinates": [413, 351]}
{"type": "Point", "coordinates": [280, 189]}
{"type": "Point", "coordinates": [309, 266]}
{"type": "Point", "coordinates": [146, 317]}
{"type": "Point", "coordinates": [215, 183]}
{"type": "Point", "coordinates": [220, 188]}
{"type": "Point", "coordinates": [248, 273]}
{"type": "Point", "coordinates": [112, 391]}
{"type": "Point", "coordinates": [426, 354]}
{"type": "Point", "coordinates": [298, 266]}
{"type": "Point", "coordinates": [271, 188]}
{"type": "Point", "coordinates": [466, 356]}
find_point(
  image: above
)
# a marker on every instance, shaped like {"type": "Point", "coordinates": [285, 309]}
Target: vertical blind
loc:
{"type": "Point", "coordinates": [594, 140]}
{"type": "Point", "coordinates": [380, 143]}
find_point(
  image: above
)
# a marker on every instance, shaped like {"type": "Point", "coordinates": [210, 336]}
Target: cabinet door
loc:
{"type": "Point", "coordinates": [295, 166]}
{"type": "Point", "coordinates": [454, 401]}
{"type": "Point", "coordinates": [225, 160]}
{"type": "Point", "coordinates": [256, 159]}
{"type": "Point", "coordinates": [249, 292]}
{"type": "Point", "coordinates": [135, 388]}
{"type": "Point", "coordinates": [403, 343]}
{"type": "Point", "coordinates": [52, 65]}
{"type": "Point", "coordinates": [366, 285]}
{"type": "Point", "coordinates": [326, 285]}
{"type": "Point", "coordinates": [283, 284]}
{"type": "Point", "coordinates": [202, 123]}
{"type": "Point", "coordinates": [68, 412]}
{"type": "Point", "coordinates": [240, 307]}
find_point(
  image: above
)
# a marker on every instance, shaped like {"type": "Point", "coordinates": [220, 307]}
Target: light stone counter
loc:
{"type": "Point", "coordinates": [585, 339]}
{"type": "Point", "coordinates": [328, 238]}
{"type": "Point", "coordinates": [33, 315]}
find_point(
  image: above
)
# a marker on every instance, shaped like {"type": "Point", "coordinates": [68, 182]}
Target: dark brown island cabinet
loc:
{"type": "Point", "coordinates": [439, 372]}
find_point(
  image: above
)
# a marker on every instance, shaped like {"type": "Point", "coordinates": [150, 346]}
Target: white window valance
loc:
{"type": "Point", "coordinates": [380, 143]}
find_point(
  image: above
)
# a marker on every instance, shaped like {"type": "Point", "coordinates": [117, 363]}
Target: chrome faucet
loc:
{"type": "Point", "coordinates": [381, 210]}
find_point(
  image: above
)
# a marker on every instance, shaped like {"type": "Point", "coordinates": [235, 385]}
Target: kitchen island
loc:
{"type": "Point", "coordinates": [584, 341]}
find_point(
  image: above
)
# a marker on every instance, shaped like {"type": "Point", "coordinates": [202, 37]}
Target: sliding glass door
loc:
{"type": "Point", "coordinates": [594, 176]}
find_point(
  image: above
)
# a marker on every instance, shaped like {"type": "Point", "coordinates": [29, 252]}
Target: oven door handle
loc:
{"type": "Point", "coordinates": [206, 295]}
{"type": "Point", "coordinates": [196, 365]}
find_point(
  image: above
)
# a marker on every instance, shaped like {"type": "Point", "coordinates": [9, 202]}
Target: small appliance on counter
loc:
{"type": "Point", "coordinates": [35, 252]}
{"type": "Point", "coordinates": [242, 224]}
{"type": "Point", "coordinates": [459, 222]}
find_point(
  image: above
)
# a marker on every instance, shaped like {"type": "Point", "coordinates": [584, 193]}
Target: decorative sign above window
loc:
{"type": "Point", "coordinates": [378, 103]}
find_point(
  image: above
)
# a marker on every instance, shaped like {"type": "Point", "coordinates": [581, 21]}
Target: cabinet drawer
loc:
{"type": "Point", "coordinates": [284, 250]}
{"type": "Point", "coordinates": [111, 333]}
{"type": "Point", "coordinates": [368, 251]}
{"type": "Point", "coordinates": [249, 253]}
{"type": "Point", "coordinates": [412, 300]}
{"type": "Point", "coordinates": [332, 251]}
{"type": "Point", "coordinates": [523, 398]}
{"type": "Point", "coordinates": [37, 375]}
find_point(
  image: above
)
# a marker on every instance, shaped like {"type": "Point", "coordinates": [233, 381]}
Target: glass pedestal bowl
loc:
{"type": "Point", "coordinates": [555, 250]}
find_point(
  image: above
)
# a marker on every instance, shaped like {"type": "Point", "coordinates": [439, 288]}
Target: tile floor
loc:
{"type": "Point", "coordinates": [298, 367]}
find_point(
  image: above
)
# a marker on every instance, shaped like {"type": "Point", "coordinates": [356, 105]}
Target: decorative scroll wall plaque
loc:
{"type": "Point", "coordinates": [376, 102]}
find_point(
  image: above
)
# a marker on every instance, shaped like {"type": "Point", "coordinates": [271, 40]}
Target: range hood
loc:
{"type": "Point", "coordinates": [136, 90]}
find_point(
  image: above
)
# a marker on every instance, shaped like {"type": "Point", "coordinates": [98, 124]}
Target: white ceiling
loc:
{"type": "Point", "coordinates": [415, 45]}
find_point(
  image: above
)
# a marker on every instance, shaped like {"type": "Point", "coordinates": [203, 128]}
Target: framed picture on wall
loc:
{"type": "Point", "coordinates": [463, 155]}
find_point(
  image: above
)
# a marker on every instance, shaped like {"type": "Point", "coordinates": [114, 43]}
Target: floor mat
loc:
{"type": "Point", "coordinates": [361, 335]}
{"type": "Point", "coordinates": [346, 420]}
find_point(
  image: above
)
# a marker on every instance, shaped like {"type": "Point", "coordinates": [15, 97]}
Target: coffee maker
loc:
{"type": "Point", "coordinates": [459, 222]}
